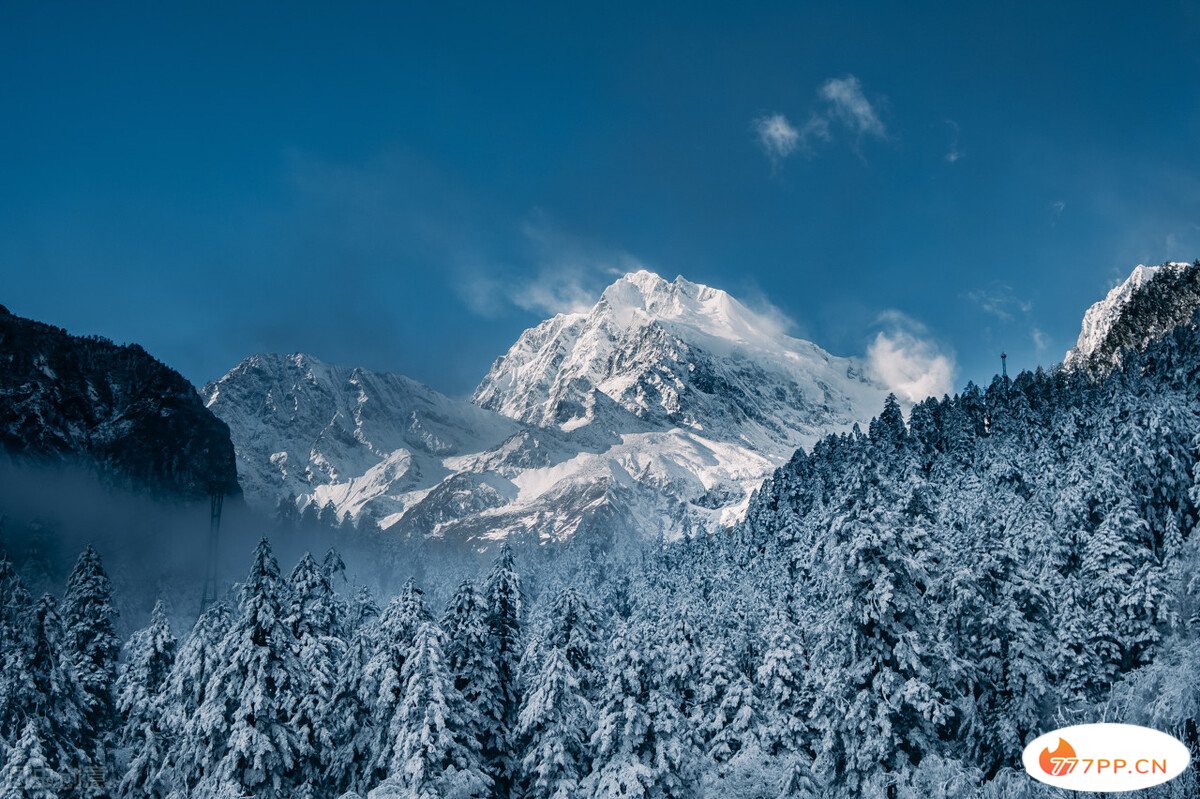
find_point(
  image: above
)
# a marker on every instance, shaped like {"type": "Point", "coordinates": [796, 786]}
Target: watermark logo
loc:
{"type": "Point", "coordinates": [1105, 758]}
{"type": "Point", "coordinates": [1056, 763]}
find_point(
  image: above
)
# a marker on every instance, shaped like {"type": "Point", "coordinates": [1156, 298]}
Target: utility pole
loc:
{"type": "Point", "coordinates": [216, 500]}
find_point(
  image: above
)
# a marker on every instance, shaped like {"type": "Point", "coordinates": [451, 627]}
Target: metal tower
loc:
{"type": "Point", "coordinates": [1004, 365]}
{"type": "Point", "coordinates": [217, 499]}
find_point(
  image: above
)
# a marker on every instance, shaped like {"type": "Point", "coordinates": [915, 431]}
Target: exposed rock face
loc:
{"type": "Point", "coordinates": [86, 400]}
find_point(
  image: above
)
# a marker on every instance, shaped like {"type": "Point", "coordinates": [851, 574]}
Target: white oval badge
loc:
{"type": "Point", "coordinates": [1105, 758]}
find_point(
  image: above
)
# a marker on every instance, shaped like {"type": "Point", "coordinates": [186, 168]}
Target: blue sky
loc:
{"type": "Point", "coordinates": [408, 189]}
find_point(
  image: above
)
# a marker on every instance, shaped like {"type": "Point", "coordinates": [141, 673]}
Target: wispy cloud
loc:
{"type": "Point", "coordinates": [907, 360]}
{"type": "Point", "coordinates": [562, 274]}
{"type": "Point", "coordinates": [1013, 313]}
{"type": "Point", "coordinates": [848, 104]}
{"type": "Point", "coordinates": [778, 137]}
{"type": "Point", "coordinates": [842, 109]}
{"type": "Point", "coordinates": [999, 301]}
{"type": "Point", "coordinates": [953, 154]}
{"type": "Point", "coordinates": [1056, 211]}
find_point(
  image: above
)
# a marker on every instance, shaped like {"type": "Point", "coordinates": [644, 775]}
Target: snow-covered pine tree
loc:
{"type": "Point", "coordinates": [798, 782]}
{"type": "Point", "coordinates": [716, 673]}
{"type": "Point", "coordinates": [785, 699]}
{"type": "Point", "coordinates": [348, 718]}
{"type": "Point", "coordinates": [574, 628]}
{"type": "Point", "coordinates": [641, 748]}
{"type": "Point", "coordinates": [313, 617]}
{"type": "Point", "coordinates": [1108, 564]}
{"type": "Point", "coordinates": [198, 725]}
{"type": "Point", "coordinates": [349, 713]}
{"type": "Point", "coordinates": [504, 604]}
{"type": "Point", "coordinates": [735, 725]}
{"type": "Point", "coordinates": [333, 565]}
{"type": "Point", "coordinates": [552, 731]}
{"type": "Point", "coordinates": [255, 688]}
{"type": "Point", "coordinates": [876, 701]}
{"type": "Point", "coordinates": [677, 666]}
{"type": "Point", "coordinates": [150, 654]}
{"type": "Point", "coordinates": [383, 678]}
{"type": "Point", "coordinates": [27, 773]}
{"type": "Point", "coordinates": [57, 701]}
{"type": "Point", "coordinates": [993, 612]}
{"type": "Point", "coordinates": [469, 659]}
{"type": "Point", "coordinates": [361, 609]}
{"type": "Point", "coordinates": [90, 620]}
{"type": "Point", "coordinates": [16, 643]}
{"type": "Point", "coordinates": [433, 756]}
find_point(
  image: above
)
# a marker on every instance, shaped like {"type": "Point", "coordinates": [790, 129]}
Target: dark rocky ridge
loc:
{"type": "Point", "coordinates": [113, 408]}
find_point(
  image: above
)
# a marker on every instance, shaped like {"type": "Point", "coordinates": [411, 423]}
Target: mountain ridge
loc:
{"type": "Point", "coordinates": [657, 412]}
{"type": "Point", "coordinates": [1145, 306]}
{"type": "Point", "coordinates": [111, 407]}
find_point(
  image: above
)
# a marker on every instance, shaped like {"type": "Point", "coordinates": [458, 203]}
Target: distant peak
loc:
{"type": "Point", "coordinates": [1096, 331]}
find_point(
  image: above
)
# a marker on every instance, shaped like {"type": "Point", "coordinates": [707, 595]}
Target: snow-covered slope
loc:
{"type": "Point", "coordinates": [306, 429]}
{"type": "Point", "coordinates": [658, 412]}
{"type": "Point", "coordinates": [678, 355]}
{"type": "Point", "coordinates": [1147, 304]}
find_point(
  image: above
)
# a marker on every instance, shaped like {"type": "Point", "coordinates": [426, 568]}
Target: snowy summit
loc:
{"type": "Point", "coordinates": [656, 412]}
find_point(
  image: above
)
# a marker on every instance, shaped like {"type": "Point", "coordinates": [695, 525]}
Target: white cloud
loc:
{"type": "Point", "coordinates": [849, 105]}
{"type": "Point", "coordinates": [554, 291]}
{"type": "Point", "coordinates": [778, 137]}
{"type": "Point", "coordinates": [1040, 340]}
{"type": "Point", "coordinates": [562, 274]}
{"type": "Point", "coordinates": [907, 361]}
{"type": "Point", "coordinates": [843, 108]}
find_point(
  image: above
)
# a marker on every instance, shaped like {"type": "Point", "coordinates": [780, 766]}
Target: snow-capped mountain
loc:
{"type": "Point", "coordinates": [658, 411]}
{"type": "Point", "coordinates": [678, 355]}
{"type": "Point", "coordinates": [306, 429]}
{"type": "Point", "coordinates": [1150, 302]}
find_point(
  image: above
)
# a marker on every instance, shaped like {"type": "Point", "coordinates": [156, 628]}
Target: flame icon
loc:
{"type": "Point", "coordinates": [1055, 763]}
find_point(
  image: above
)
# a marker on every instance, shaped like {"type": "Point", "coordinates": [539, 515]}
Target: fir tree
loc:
{"type": "Point", "coordinates": [553, 732]}
{"type": "Point", "coordinates": [575, 630]}
{"type": "Point", "coordinates": [90, 620]}
{"type": "Point", "coordinates": [312, 618]}
{"type": "Point", "coordinates": [434, 756]}
{"type": "Point", "coordinates": [504, 603]}
{"type": "Point", "coordinates": [150, 654]}
{"type": "Point", "coordinates": [734, 726]}
{"type": "Point", "coordinates": [470, 662]}
{"type": "Point", "coordinates": [255, 688]}
{"type": "Point", "coordinates": [196, 717]}
{"type": "Point", "coordinates": [786, 702]}
{"type": "Point", "coordinates": [57, 701]}
{"type": "Point", "coordinates": [27, 773]}
{"type": "Point", "coordinates": [384, 676]}
{"type": "Point", "coordinates": [16, 644]}
{"type": "Point", "coordinates": [877, 705]}
{"type": "Point", "coordinates": [349, 716]}
{"type": "Point", "coordinates": [641, 747]}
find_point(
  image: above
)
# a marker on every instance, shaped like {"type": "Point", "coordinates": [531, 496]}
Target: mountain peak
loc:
{"type": "Point", "coordinates": [1147, 304]}
{"type": "Point", "coordinates": [692, 310]}
{"type": "Point", "coordinates": [678, 353]}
